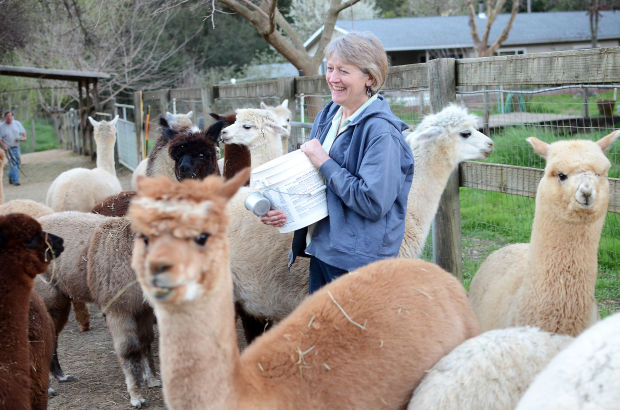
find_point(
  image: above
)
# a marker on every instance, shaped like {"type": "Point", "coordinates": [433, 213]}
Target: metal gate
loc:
{"type": "Point", "coordinates": [126, 141]}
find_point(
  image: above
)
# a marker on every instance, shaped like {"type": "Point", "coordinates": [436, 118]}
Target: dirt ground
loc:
{"type": "Point", "coordinates": [88, 356]}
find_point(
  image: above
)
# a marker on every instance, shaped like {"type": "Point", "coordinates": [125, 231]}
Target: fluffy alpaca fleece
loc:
{"type": "Point", "coordinates": [283, 114]}
{"type": "Point", "coordinates": [490, 371]}
{"type": "Point", "coordinates": [363, 341]}
{"type": "Point", "coordinates": [96, 268]}
{"type": "Point", "coordinates": [27, 332]}
{"type": "Point", "coordinates": [79, 189]}
{"type": "Point", "coordinates": [439, 143]}
{"type": "Point", "coordinates": [25, 206]}
{"type": "Point", "coordinates": [115, 205]}
{"type": "Point", "coordinates": [264, 285]}
{"type": "Point", "coordinates": [158, 161]}
{"type": "Point", "coordinates": [585, 375]}
{"type": "Point", "coordinates": [549, 283]}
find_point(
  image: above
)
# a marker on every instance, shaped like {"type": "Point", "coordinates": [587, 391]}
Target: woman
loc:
{"type": "Point", "coordinates": [357, 145]}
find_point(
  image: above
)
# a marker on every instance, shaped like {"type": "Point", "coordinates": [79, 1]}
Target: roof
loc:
{"type": "Point", "coordinates": [51, 74]}
{"type": "Point", "coordinates": [439, 32]}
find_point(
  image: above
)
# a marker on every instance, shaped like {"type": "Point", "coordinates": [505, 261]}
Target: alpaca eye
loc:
{"type": "Point", "coordinates": [145, 239]}
{"type": "Point", "coordinates": [465, 134]}
{"type": "Point", "coordinates": [202, 238]}
{"type": "Point", "coordinates": [246, 126]}
{"type": "Point", "coordinates": [562, 176]}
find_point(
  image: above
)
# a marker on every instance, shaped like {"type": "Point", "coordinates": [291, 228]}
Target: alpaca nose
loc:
{"type": "Point", "coordinates": [158, 268]}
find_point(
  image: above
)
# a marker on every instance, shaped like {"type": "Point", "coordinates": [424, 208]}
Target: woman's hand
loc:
{"type": "Point", "coordinates": [274, 217]}
{"type": "Point", "coordinates": [315, 152]}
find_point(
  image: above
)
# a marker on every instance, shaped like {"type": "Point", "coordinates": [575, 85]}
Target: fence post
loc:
{"type": "Point", "coordinates": [206, 95]}
{"type": "Point", "coordinates": [286, 87]}
{"type": "Point", "coordinates": [447, 223]}
{"type": "Point", "coordinates": [137, 119]}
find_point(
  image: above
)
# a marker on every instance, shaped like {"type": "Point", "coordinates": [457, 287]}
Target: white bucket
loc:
{"type": "Point", "coordinates": [295, 187]}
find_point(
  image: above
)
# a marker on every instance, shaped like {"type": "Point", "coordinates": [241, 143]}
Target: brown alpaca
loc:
{"type": "Point", "coordinates": [26, 343]}
{"type": "Point", "coordinates": [236, 156]}
{"type": "Point", "coordinates": [363, 341]}
{"type": "Point", "coordinates": [549, 282]}
{"type": "Point", "coordinates": [115, 205]}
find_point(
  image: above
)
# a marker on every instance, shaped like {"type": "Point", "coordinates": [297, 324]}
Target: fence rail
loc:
{"type": "Point", "coordinates": [435, 84]}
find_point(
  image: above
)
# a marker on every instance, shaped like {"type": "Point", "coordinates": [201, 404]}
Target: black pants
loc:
{"type": "Point", "coordinates": [322, 273]}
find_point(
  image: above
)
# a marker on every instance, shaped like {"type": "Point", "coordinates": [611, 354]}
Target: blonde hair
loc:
{"type": "Point", "coordinates": [364, 50]}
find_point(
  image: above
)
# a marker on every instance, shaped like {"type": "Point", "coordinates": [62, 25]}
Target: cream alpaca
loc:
{"type": "Point", "coordinates": [549, 283]}
{"type": "Point", "coordinates": [79, 189]}
{"type": "Point", "coordinates": [284, 116]}
{"type": "Point", "coordinates": [363, 341]}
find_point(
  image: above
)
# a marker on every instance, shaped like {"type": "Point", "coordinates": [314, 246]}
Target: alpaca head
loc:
{"type": "Point", "coordinates": [574, 184]}
{"type": "Point", "coordinates": [104, 131]}
{"type": "Point", "coordinates": [252, 127]}
{"type": "Point", "coordinates": [453, 133]}
{"type": "Point", "coordinates": [180, 121]}
{"type": "Point", "coordinates": [21, 237]}
{"type": "Point", "coordinates": [181, 250]}
{"type": "Point", "coordinates": [282, 113]}
{"type": "Point", "coordinates": [195, 154]}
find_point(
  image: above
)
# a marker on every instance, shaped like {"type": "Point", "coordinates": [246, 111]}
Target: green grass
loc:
{"type": "Point", "coordinates": [44, 133]}
{"type": "Point", "coordinates": [490, 220]}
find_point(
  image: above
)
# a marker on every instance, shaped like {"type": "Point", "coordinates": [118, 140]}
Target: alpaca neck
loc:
{"type": "Point", "coordinates": [429, 181]}
{"type": "Point", "coordinates": [563, 267]}
{"type": "Point", "coordinates": [264, 151]}
{"type": "Point", "coordinates": [14, 308]}
{"type": "Point", "coordinates": [198, 350]}
{"type": "Point", "coordinates": [105, 157]}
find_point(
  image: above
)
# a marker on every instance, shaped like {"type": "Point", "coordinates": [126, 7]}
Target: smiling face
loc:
{"type": "Point", "coordinates": [347, 84]}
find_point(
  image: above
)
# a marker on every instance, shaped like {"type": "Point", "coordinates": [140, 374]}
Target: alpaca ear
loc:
{"type": "Point", "coordinates": [263, 105]}
{"type": "Point", "coordinates": [284, 103]}
{"type": "Point", "coordinates": [429, 133]}
{"type": "Point", "coordinates": [189, 114]}
{"type": "Point", "coordinates": [215, 116]}
{"type": "Point", "coordinates": [92, 121]}
{"type": "Point", "coordinates": [214, 131]}
{"type": "Point", "coordinates": [113, 122]}
{"type": "Point", "coordinates": [540, 147]}
{"type": "Point", "coordinates": [277, 128]}
{"type": "Point", "coordinates": [231, 186]}
{"type": "Point", "coordinates": [608, 140]}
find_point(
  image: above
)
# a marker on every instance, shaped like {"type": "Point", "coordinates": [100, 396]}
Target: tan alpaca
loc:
{"type": "Point", "coordinates": [363, 341]}
{"type": "Point", "coordinates": [549, 283]}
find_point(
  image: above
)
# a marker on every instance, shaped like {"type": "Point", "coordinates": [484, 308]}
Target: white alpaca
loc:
{"type": "Point", "coordinates": [490, 371]}
{"type": "Point", "coordinates": [25, 206]}
{"type": "Point", "coordinates": [363, 341]}
{"type": "Point", "coordinates": [264, 285]}
{"type": "Point", "coordinates": [585, 375]}
{"type": "Point", "coordinates": [284, 116]}
{"type": "Point", "coordinates": [549, 283]}
{"type": "Point", "coordinates": [79, 189]}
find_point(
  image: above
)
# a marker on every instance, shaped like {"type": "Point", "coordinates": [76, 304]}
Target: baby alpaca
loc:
{"type": "Point", "coordinates": [26, 330]}
{"type": "Point", "coordinates": [549, 283]}
{"type": "Point", "coordinates": [363, 341]}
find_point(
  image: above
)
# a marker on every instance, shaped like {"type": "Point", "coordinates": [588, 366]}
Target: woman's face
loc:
{"type": "Point", "coordinates": [347, 84]}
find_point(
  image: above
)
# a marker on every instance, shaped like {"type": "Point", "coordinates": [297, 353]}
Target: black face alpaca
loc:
{"type": "Point", "coordinates": [20, 231]}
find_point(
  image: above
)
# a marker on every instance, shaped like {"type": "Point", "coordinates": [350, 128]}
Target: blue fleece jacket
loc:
{"type": "Point", "coordinates": [368, 176]}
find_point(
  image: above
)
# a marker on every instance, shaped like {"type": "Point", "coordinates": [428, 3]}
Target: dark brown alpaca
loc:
{"type": "Point", "coordinates": [26, 328]}
{"type": "Point", "coordinates": [236, 156]}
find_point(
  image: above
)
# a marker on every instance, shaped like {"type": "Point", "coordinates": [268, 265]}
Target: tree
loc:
{"type": "Point", "coordinates": [481, 45]}
{"type": "Point", "coordinates": [436, 8]}
{"type": "Point", "coordinates": [269, 22]}
{"type": "Point", "coordinates": [594, 13]}
{"type": "Point", "coordinates": [15, 25]}
{"type": "Point", "coordinates": [308, 15]}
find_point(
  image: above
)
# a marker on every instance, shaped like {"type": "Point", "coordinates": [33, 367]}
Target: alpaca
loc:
{"type": "Point", "coordinates": [96, 268]}
{"type": "Point", "coordinates": [195, 154]}
{"type": "Point", "coordinates": [159, 161]}
{"type": "Point", "coordinates": [585, 375]}
{"type": "Point", "coordinates": [79, 189]}
{"type": "Point", "coordinates": [549, 283]}
{"type": "Point", "coordinates": [266, 288]}
{"type": "Point", "coordinates": [25, 206]}
{"type": "Point", "coordinates": [490, 371]}
{"type": "Point", "coordinates": [236, 156]}
{"type": "Point", "coordinates": [284, 116]}
{"type": "Point", "coordinates": [363, 341]}
{"type": "Point", "coordinates": [115, 205]}
{"type": "Point", "coordinates": [27, 333]}
{"type": "Point", "coordinates": [260, 131]}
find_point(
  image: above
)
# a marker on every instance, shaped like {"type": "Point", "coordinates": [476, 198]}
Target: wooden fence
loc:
{"type": "Point", "coordinates": [442, 77]}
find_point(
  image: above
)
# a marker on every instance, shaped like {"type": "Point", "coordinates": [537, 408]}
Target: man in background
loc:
{"type": "Point", "coordinates": [12, 133]}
